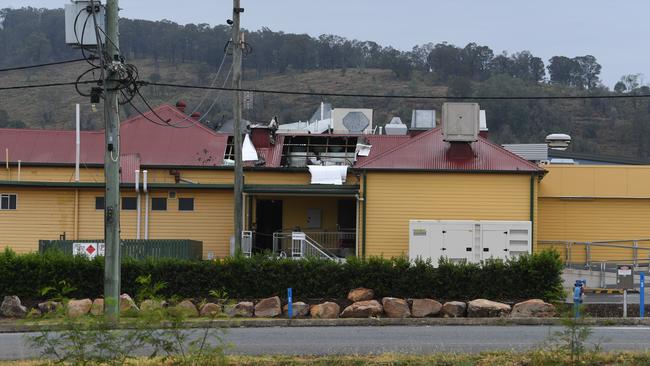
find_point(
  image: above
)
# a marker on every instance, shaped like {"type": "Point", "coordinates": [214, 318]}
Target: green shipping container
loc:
{"type": "Point", "coordinates": [136, 249]}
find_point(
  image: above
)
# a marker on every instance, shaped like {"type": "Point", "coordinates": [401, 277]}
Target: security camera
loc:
{"type": "Point", "coordinates": [229, 21]}
{"type": "Point", "coordinates": [558, 141]}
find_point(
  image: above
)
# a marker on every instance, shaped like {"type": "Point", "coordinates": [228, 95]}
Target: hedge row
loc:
{"type": "Point", "coordinates": [533, 276]}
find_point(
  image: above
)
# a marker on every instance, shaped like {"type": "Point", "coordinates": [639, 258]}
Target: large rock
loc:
{"type": "Point", "coordinates": [362, 309]}
{"type": "Point", "coordinates": [326, 310]}
{"type": "Point", "coordinates": [396, 308]}
{"type": "Point", "coordinates": [268, 308]}
{"type": "Point", "coordinates": [150, 305]}
{"type": "Point", "coordinates": [482, 308]}
{"type": "Point", "coordinates": [533, 308]}
{"type": "Point", "coordinates": [12, 307]}
{"type": "Point", "coordinates": [209, 310]}
{"type": "Point", "coordinates": [49, 307]}
{"type": "Point", "coordinates": [127, 304]}
{"type": "Point", "coordinates": [453, 309]}
{"type": "Point", "coordinates": [97, 308]}
{"type": "Point", "coordinates": [187, 308]}
{"type": "Point", "coordinates": [78, 308]}
{"type": "Point", "coordinates": [361, 294]}
{"type": "Point", "coordinates": [299, 309]}
{"type": "Point", "coordinates": [242, 309]}
{"type": "Point", "coordinates": [422, 308]}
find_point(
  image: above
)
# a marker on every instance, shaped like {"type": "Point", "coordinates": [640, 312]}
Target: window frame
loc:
{"type": "Point", "coordinates": [9, 195]}
{"type": "Point", "coordinates": [159, 198]}
{"type": "Point", "coordinates": [135, 203]}
{"type": "Point", "coordinates": [179, 199]}
{"type": "Point", "coordinates": [103, 203]}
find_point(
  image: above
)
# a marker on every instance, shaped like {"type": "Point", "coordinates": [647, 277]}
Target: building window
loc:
{"type": "Point", "coordinates": [100, 203]}
{"type": "Point", "coordinates": [129, 203]}
{"type": "Point", "coordinates": [7, 201]}
{"type": "Point", "coordinates": [159, 204]}
{"type": "Point", "coordinates": [186, 204]}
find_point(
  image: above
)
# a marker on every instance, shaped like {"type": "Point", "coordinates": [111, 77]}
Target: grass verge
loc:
{"type": "Point", "coordinates": [534, 358]}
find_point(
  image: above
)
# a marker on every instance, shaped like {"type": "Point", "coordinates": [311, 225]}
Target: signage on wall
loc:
{"type": "Point", "coordinates": [90, 250]}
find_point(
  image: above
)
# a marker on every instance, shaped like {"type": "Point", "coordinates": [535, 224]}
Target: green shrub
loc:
{"type": "Point", "coordinates": [533, 276]}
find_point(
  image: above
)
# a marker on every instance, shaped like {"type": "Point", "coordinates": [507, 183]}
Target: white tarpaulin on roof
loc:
{"type": "Point", "coordinates": [248, 151]}
{"type": "Point", "coordinates": [333, 174]}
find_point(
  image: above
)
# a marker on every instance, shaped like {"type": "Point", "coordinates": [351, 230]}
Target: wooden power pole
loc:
{"type": "Point", "coordinates": [237, 112]}
{"type": "Point", "coordinates": [111, 165]}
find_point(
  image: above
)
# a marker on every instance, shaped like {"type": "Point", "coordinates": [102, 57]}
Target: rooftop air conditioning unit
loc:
{"type": "Point", "coordinates": [348, 120]}
{"type": "Point", "coordinates": [80, 23]}
{"type": "Point", "coordinates": [460, 122]}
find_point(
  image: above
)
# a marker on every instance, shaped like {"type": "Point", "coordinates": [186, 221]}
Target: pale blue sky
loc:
{"type": "Point", "coordinates": [613, 31]}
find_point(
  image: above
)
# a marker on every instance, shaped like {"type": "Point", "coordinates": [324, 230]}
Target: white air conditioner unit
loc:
{"type": "Point", "coordinates": [80, 23]}
{"type": "Point", "coordinates": [460, 122]}
{"type": "Point", "coordinates": [352, 120]}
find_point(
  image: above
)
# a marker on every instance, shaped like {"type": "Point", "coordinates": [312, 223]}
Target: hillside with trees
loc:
{"type": "Point", "coordinates": [191, 54]}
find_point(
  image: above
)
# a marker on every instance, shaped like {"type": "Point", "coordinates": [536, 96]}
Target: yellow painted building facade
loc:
{"type": "Point", "coordinates": [50, 205]}
{"type": "Point", "coordinates": [394, 198]}
{"type": "Point", "coordinates": [595, 203]}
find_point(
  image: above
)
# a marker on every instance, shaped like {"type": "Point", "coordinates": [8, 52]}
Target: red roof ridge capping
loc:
{"type": "Point", "coordinates": [496, 158]}
{"type": "Point", "coordinates": [397, 147]}
{"type": "Point", "coordinates": [174, 111]}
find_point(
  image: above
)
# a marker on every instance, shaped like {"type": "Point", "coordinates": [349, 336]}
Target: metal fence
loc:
{"type": "Point", "coordinates": [136, 249]}
{"type": "Point", "coordinates": [247, 243]}
{"type": "Point", "coordinates": [299, 246]}
{"type": "Point", "coordinates": [587, 254]}
{"type": "Point", "coordinates": [342, 243]}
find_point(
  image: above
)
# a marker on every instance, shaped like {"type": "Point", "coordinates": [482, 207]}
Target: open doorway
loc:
{"type": "Point", "coordinates": [268, 217]}
{"type": "Point", "coordinates": [346, 225]}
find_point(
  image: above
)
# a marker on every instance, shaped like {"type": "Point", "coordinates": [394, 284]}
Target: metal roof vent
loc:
{"type": "Point", "coordinates": [558, 141]}
{"type": "Point", "coordinates": [460, 122]}
{"type": "Point", "coordinates": [396, 127]}
{"type": "Point", "coordinates": [423, 119]}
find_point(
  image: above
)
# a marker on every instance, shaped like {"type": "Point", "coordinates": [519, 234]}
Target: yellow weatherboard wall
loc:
{"type": "Point", "coordinates": [595, 203]}
{"type": "Point", "coordinates": [40, 212]}
{"type": "Point", "coordinates": [394, 198]}
{"type": "Point", "coordinates": [48, 213]}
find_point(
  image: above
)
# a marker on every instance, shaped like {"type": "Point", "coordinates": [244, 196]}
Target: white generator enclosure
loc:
{"type": "Point", "coordinates": [468, 241]}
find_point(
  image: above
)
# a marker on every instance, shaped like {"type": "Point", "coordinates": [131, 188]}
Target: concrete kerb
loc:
{"type": "Point", "coordinates": [23, 327]}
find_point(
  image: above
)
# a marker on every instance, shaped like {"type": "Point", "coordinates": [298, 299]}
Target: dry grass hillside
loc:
{"type": "Point", "coordinates": [53, 108]}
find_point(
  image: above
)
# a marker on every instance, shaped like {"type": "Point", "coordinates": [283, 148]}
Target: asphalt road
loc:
{"type": "Point", "coordinates": [396, 339]}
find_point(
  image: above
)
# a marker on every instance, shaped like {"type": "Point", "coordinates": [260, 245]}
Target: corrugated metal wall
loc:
{"type": "Point", "coordinates": [395, 198]}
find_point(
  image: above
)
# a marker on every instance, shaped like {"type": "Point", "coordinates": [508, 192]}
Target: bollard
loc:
{"type": "Point", "coordinates": [641, 294]}
{"type": "Point", "coordinates": [624, 303]}
{"type": "Point", "coordinates": [290, 303]}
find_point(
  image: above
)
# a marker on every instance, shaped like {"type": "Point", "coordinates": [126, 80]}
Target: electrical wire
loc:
{"type": "Point", "coordinates": [290, 92]}
{"type": "Point", "coordinates": [46, 85]}
{"type": "Point", "coordinates": [214, 80]}
{"type": "Point", "coordinates": [400, 96]}
{"type": "Point", "coordinates": [42, 65]}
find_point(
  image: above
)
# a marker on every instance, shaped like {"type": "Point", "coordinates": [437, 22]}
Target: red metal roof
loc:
{"type": "Point", "coordinates": [147, 144]}
{"type": "Point", "coordinates": [195, 145]}
{"type": "Point", "coordinates": [427, 151]}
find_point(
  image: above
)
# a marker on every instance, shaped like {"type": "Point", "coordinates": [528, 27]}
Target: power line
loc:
{"type": "Point", "coordinates": [400, 96]}
{"type": "Point", "coordinates": [42, 65]}
{"type": "Point", "coordinates": [47, 85]}
{"type": "Point", "coordinates": [325, 94]}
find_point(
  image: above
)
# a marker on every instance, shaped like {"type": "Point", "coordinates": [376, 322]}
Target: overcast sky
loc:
{"type": "Point", "coordinates": [613, 31]}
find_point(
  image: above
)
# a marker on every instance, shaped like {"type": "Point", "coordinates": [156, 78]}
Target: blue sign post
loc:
{"type": "Point", "coordinates": [641, 294]}
{"type": "Point", "coordinates": [290, 303]}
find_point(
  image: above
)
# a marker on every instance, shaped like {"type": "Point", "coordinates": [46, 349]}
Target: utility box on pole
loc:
{"type": "Point", "coordinates": [80, 25]}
